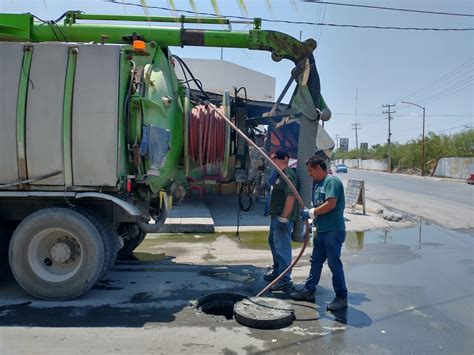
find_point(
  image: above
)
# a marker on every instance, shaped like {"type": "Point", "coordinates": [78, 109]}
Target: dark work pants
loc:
{"type": "Point", "coordinates": [328, 246]}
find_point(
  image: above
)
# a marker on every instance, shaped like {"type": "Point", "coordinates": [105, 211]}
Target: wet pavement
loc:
{"type": "Point", "coordinates": [410, 291]}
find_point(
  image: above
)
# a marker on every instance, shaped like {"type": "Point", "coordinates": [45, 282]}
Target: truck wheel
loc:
{"type": "Point", "coordinates": [57, 254]}
{"type": "Point", "coordinates": [132, 237]}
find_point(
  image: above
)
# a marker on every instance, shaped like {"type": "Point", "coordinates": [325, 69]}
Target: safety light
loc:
{"type": "Point", "coordinates": [139, 45]}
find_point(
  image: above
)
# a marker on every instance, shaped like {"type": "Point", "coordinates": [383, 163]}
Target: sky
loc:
{"type": "Point", "coordinates": [433, 69]}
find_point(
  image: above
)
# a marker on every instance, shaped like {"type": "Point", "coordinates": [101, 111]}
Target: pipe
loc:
{"type": "Point", "coordinates": [22, 182]}
{"type": "Point", "coordinates": [153, 228]}
{"type": "Point", "coordinates": [292, 187]}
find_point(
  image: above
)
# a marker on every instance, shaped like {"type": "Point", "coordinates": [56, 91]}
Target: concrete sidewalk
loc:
{"type": "Point", "coordinates": [220, 214]}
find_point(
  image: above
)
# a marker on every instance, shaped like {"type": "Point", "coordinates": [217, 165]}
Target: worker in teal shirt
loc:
{"type": "Point", "coordinates": [328, 212]}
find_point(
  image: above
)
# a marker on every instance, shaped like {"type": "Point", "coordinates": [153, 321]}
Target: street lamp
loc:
{"type": "Point", "coordinates": [422, 137]}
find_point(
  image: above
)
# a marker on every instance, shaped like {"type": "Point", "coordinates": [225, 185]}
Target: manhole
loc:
{"type": "Point", "coordinates": [219, 304]}
{"type": "Point", "coordinates": [264, 313]}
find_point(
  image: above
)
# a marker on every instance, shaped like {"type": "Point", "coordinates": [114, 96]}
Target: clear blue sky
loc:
{"type": "Point", "coordinates": [385, 66]}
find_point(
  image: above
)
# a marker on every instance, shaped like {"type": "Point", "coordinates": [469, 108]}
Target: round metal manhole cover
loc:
{"type": "Point", "coordinates": [264, 313]}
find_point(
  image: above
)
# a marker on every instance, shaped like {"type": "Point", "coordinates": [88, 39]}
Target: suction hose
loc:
{"type": "Point", "coordinates": [285, 178]}
{"type": "Point", "coordinates": [153, 228]}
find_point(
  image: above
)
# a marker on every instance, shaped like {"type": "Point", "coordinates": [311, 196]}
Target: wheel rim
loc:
{"type": "Point", "coordinates": [55, 254]}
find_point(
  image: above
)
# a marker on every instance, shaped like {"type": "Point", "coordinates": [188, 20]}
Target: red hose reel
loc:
{"type": "Point", "coordinates": [206, 135]}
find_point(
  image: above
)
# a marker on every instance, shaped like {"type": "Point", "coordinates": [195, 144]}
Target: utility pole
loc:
{"type": "Point", "coordinates": [389, 112]}
{"type": "Point", "coordinates": [356, 127]}
{"type": "Point", "coordinates": [422, 137]}
{"type": "Point", "coordinates": [336, 136]}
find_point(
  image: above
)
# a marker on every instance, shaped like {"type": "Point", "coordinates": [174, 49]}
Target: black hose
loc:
{"type": "Point", "coordinates": [198, 82]}
{"type": "Point", "coordinates": [153, 228]}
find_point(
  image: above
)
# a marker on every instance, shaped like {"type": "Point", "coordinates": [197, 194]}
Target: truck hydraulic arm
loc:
{"type": "Point", "coordinates": [21, 27]}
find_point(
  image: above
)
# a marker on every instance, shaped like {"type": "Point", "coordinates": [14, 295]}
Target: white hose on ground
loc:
{"type": "Point", "coordinates": [292, 187]}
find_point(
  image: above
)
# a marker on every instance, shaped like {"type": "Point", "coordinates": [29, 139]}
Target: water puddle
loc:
{"type": "Point", "coordinates": [248, 240]}
{"type": "Point", "coordinates": [416, 238]}
{"type": "Point", "coordinates": [398, 244]}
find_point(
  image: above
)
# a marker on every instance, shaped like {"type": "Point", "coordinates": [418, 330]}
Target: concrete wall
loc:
{"type": "Point", "coordinates": [350, 163]}
{"type": "Point", "coordinates": [373, 164]}
{"type": "Point", "coordinates": [368, 164]}
{"type": "Point", "coordinates": [459, 168]}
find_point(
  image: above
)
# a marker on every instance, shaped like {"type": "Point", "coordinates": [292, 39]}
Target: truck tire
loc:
{"type": "Point", "coordinates": [109, 235]}
{"type": "Point", "coordinates": [132, 237]}
{"type": "Point", "coordinates": [57, 254]}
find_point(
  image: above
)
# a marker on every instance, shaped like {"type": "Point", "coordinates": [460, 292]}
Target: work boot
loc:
{"type": "Point", "coordinates": [303, 295]}
{"type": "Point", "coordinates": [282, 286]}
{"type": "Point", "coordinates": [270, 276]}
{"type": "Point", "coordinates": [337, 304]}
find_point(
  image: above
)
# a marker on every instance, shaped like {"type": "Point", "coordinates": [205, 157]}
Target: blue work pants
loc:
{"type": "Point", "coordinates": [327, 245]}
{"type": "Point", "coordinates": [279, 239]}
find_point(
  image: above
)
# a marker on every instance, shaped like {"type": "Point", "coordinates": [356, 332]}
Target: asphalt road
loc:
{"type": "Point", "coordinates": [448, 203]}
{"type": "Point", "coordinates": [410, 292]}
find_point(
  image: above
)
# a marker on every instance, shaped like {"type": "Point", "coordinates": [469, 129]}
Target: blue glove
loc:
{"type": "Point", "coordinates": [304, 214]}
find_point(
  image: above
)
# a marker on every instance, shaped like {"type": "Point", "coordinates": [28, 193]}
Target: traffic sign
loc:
{"type": "Point", "coordinates": [344, 144]}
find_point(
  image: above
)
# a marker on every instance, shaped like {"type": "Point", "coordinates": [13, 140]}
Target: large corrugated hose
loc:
{"type": "Point", "coordinates": [307, 135]}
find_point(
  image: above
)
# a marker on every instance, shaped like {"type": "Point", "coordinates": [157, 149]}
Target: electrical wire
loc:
{"type": "Point", "coordinates": [392, 8]}
{"type": "Point", "coordinates": [378, 115]}
{"type": "Point", "coordinates": [321, 28]}
{"type": "Point", "coordinates": [450, 90]}
{"type": "Point", "coordinates": [438, 81]}
{"type": "Point", "coordinates": [123, 3]}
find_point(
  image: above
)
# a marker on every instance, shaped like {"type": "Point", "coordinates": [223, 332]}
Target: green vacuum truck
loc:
{"type": "Point", "coordinates": [94, 124]}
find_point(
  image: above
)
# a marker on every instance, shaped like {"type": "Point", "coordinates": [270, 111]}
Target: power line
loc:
{"type": "Point", "coordinates": [466, 84]}
{"type": "Point", "coordinates": [391, 8]}
{"type": "Point", "coordinates": [435, 125]}
{"type": "Point", "coordinates": [437, 81]}
{"type": "Point", "coordinates": [300, 22]}
{"type": "Point", "coordinates": [465, 126]}
{"type": "Point", "coordinates": [460, 76]}
{"type": "Point", "coordinates": [378, 115]}
{"type": "Point", "coordinates": [322, 20]}
{"type": "Point", "coordinates": [450, 129]}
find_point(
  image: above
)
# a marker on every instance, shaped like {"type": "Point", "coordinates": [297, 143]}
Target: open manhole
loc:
{"type": "Point", "coordinates": [254, 312]}
{"type": "Point", "coordinates": [219, 304]}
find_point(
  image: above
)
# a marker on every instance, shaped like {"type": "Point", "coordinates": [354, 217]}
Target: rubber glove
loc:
{"type": "Point", "coordinates": [304, 214]}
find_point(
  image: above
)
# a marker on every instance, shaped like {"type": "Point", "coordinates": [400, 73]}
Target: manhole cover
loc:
{"type": "Point", "coordinates": [264, 313]}
{"type": "Point", "coordinates": [219, 304]}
